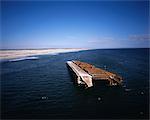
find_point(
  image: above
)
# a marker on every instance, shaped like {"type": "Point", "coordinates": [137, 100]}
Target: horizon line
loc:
{"type": "Point", "coordinates": [73, 48]}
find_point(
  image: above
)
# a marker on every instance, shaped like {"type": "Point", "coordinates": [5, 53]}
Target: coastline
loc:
{"type": "Point", "coordinates": [13, 54]}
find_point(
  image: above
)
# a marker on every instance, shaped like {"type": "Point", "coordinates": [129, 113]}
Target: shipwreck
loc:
{"type": "Point", "coordinates": [86, 74]}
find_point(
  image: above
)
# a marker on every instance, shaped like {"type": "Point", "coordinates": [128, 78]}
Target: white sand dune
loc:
{"type": "Point", "coordinates": [16, 54]}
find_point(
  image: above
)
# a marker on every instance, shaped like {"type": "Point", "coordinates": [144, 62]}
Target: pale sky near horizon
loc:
{"type": "Point", "coordinates": [86, 24]}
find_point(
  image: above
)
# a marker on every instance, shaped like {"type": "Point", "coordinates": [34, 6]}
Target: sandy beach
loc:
{"type": "Point", "coordinates": [13, 54]}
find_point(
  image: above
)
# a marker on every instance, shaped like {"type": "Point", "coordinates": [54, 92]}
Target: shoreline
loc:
{"type": "Point", "coordinates": [19, 53]}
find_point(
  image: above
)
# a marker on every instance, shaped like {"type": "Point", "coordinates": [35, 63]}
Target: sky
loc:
{"type": "Point", "coordinates": [76, 24]}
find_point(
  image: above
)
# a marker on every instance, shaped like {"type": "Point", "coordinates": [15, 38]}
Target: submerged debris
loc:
{"type": "Point", "coordinates": [141, 113]}
{"type": "Point", "coordinates": [44, 97]}
{"type": "Point", "coordinates": [99, 98]}
{"type": "Point", "coordinates": [127, 89]}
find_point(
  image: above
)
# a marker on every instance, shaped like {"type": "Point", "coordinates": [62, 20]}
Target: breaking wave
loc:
{"type": "Point", "coordinates": [54, 53]}
{"type": "Point", "coordinates": [24, 58]}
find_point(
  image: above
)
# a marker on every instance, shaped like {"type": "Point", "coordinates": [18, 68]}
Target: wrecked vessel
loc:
{"type": "Point", "coordinates": [87, 74]}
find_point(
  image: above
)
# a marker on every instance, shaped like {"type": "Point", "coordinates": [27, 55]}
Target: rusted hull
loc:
{"type": "Point", "coordinates": [99, 74]}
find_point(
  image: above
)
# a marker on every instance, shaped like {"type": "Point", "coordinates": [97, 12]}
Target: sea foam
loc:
{"type": "Point", "coordinates": [24, 58]}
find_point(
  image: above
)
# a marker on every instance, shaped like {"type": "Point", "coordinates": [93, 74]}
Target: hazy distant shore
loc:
{"type": "Point", "coordinates": [12, 54]}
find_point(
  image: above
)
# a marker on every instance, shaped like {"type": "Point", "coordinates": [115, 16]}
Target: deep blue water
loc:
{"type": "Point", "coordinates": [44, 88]}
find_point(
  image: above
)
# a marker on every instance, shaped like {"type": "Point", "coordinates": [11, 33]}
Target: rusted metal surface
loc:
{"type": "Point", "coordinates": [99, 74]}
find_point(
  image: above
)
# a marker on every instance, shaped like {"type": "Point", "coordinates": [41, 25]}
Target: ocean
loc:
{"type": "Point", "coordinates": [43, 88]}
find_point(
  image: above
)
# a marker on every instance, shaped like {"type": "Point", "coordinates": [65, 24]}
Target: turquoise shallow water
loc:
{"type": "Point", "coordinates": [43, 88]}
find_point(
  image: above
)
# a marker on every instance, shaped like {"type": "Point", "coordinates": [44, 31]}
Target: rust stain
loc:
{"type": "Point", "coordinates": [99, 74]}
